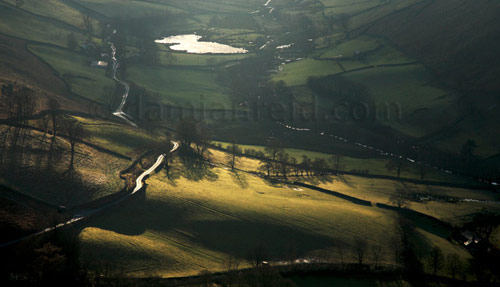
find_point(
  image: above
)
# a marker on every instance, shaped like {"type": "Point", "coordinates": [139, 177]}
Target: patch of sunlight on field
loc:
{"type": "Point", "coordinates": [226, 215]}
{"type": "Point", "coordinates": [296, 73]}
{"type": "Point", "coordinates": [446, 246]}
{"type": "Point", "coordinates": [147, 251]}
{"type": "Point", "coordinates": [122, 139]}
{"type": "Point", "coordinates": [381, 190]}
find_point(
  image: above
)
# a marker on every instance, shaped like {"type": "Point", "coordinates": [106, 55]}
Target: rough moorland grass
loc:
{"type": "Point", "coordinates": [179, 86]}
{"type": "Point", "coordinates": [180, 227]}
{"type": "Point", "coordinates": [55, 9]}
{"type": "Point", "coordinates": [75, 69]}
{"type": "Point", "coordinates": [296, 73]}
{"type": "Point", "coordinates": [19, 23]}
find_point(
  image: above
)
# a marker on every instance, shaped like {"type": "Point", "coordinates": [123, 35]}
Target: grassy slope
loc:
{"type": "Point", "coordinates": [118, 138]}
{"type": "Point", "coordinates": [24, 25]}
{"type": "Point", "coordinates": [181, 227]}
{"type": "Point", "coordinates": [179, 86]}
{"type": "Point", "coordinates": [184, 59]}
{"type": "Point", "coordinates": [97, 169]}
{"type": "Point", "coordinates": [422, 105]}
{"type": "Point", "coordinates": [75, 69]}
{"type": "Point", "coordinates": [296, 73]}
{"type": "Point", "coordinates": [373, 165]}
{"type": "Point", "coordinates": [380, 191]}
{"type": "Point", "coordinates": [55, 9]}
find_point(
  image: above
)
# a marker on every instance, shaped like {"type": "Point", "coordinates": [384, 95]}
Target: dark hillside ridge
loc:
{"type": "Point", "coordinates": [459, 40]}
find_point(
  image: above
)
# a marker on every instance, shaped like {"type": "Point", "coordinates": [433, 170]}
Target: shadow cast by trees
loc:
{"type": "Point", "coordinates": [37, 169]}
{"type": "Point", "coordinates": [239, 178]}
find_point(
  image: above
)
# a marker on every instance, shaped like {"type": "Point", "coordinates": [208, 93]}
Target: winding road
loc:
{"type": "Point", "coordinates": [139, 183]}
{"type": "Point", "coordinates": [119, 111]}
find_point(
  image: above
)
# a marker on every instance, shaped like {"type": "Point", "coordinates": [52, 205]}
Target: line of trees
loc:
{"type": "Point", "coordinates": [275, 161]}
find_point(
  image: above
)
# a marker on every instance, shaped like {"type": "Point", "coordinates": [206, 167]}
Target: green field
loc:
{"type": "Point", "coordinates": [75, 69]}
{"type": "Point", "coordinates": [408, 87]}
{"type": "Point", "coordinates": [348, 48]}
{"type": "Point", "coordinates": [130, 9]}
{"type": "Point", "coordinates": [183, 87]}
{"type": "Point", "coordinates": [296, 73]}
{"type": "Point", "coordinates": [55, 9]}
{"type": "Point", "coordinates": [184, 59]}
{"type": "Point", "coordinates": [18, 23]}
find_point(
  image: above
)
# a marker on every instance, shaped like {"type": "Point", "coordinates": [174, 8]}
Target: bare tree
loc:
{"type": "Point", "coordinates": [165, 148]}
{"type": "Point", "coordinates": [257, 256]}
{"type": "Point", "coordinates": [421, 169]}
{"type": "Point", "coordinates": [454, 264]}
{"type": "Point", "coordinates": [233, 150]}
{"type": "Point", "coordinates": [272, 149]}
{"type": "Point", "coordinates": [266, 166]}
{"type": "Point", "coordinates": [340, 252]}
{"type": "Point", "coordinates": [397, 164]}
{"type": "Point", "coordinates": [283, 163]}
{"type": "Point", "coordinates": [337, 163]}
{"type": "Point", "coordinates": [359, 249]}
{"type": "Point", "coordinates": [54, 107]}
{"type": "Point", "coordinates": [305, 164]}
{"type": "Point", "coordinates": [436, 260]}
{"type": "Point", "coordinates": [294, 166]}
{"type": "Point", "coordinates": [109, 98]}
{"type": "Point", "coordinates": [75, 133]}
{"type": "Point", "coordinates": [401, 197]}
{"type": "Point", "coordinates": [395, 243]}
{"type": "Point", "coordinates": [8, 96]}
{"type": "Point", "coordinates": [377, 253]}
{"type": "Point", "coordinates": [43, 124]}
{"type": "Point", "coordinates": [87, 23]}
{"type": "Point", "coordinates": [319, 166]}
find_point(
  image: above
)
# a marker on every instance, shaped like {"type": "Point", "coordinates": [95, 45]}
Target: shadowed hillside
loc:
{"type": "Point", "coordinates": [458, 40]}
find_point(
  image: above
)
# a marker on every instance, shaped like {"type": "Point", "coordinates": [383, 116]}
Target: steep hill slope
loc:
{"type": "Point", "coordinates": [458, 40]}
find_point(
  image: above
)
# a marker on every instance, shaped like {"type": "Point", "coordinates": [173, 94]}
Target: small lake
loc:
{"type": "Point", "coordinates": [191, 44]}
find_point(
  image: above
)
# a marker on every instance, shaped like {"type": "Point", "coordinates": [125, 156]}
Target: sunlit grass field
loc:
{"type": "Point", "coordinates": [296, 73]}
{"type": "Point", "coordinates": [186, 225]}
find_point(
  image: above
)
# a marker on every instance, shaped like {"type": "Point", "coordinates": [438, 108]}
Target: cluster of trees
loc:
{"type": "Point", "coordinates": [275, 161]}
{"type": "Point", "coordinates": [195, 139]}
{"type": "Point", "coordinates": [278, 162]}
